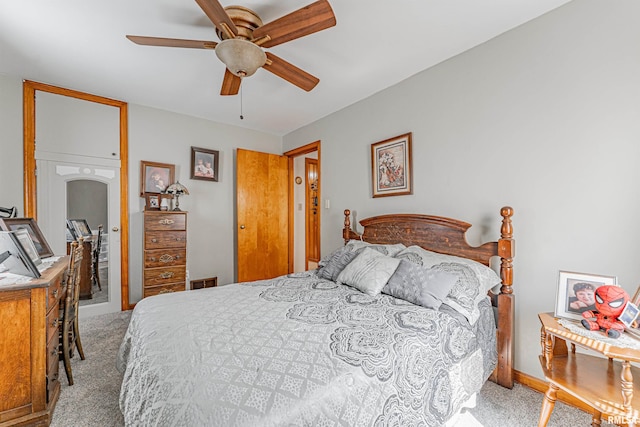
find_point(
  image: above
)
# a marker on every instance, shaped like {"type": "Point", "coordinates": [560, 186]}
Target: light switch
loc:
{"type": "Point", "coordinates": [299, 206]}
{"type": "Point", "coordinates": [327, 203]}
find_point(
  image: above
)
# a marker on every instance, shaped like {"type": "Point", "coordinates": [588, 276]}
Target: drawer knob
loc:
{"type": "Point", "coordinates": [166, 291]}
{"type": "Point", "coordinates": [166, 258]}
{"type": "Point", "coordinates": [166, 221]}
{"type": "Point", "coordinates": [166, 275]}
{"type": "Point", "coordinates": [154, 240]}
{"type": "Point", "coordinates": [55, 293]}
{"type": "Point", "coordinates": [55, 322]}
{"type": "Point", "coordinates": [54, 351]}
{"type": "Point", "coordinates": [178, 239]}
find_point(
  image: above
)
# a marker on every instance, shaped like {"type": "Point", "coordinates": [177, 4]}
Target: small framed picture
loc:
{"type": "Point", "coordinates": [152, 202]}
{"type": "Point", "coordinates": [155, 177]}
{"type": "Point", "coordinates": [80, 227]}
{"type": "Point", "coordinates": [165, 201]}
{"type": "Point", "coordinates": [29, 224]}
{"type": "Point", "coordinates": [391, 169]}
{"type": "Point", "coordinates": [576, 293]}
{"type": "Point", "coordinates": [204, 164]}
{"type": "Point", "coordinates": [629, 314]}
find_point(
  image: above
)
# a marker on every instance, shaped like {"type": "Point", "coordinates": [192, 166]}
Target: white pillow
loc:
{"type": "Point", "coordinates": [473, 283]}
{"type": "Point", "coordinates": [369, 271]}
{"type": "Point", "coordinates": [389, 250]}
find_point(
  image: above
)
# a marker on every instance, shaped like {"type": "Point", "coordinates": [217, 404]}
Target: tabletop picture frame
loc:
{"type": "Point", "coordinates": [29, 224]}
{"type": "Point", "coordinates": [80, 227]}
{"type": "Point", "coordinates": [22, 255]}
{"type": "Point", "coordinates": [391, 167]}
{"type": "Point", "coordinates": [204, 164]}
{"type": "Point", "coordinates": [152, 202]}
{"type": "Point", "coordinates": [155, 177]}
{"type": "Point", "coordinates": [575, 293]}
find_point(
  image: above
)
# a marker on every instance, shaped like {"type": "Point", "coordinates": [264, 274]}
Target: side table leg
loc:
{"type": "Point", "coordinates": [547, 405]}
{"type": "Point", "coordinates": [597, 419]}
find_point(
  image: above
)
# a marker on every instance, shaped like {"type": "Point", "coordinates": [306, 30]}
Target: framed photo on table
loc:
{"type": "Point", "coordinates": [80, 228]}
{"type": "Point", "coordinates": [391, 167]}
{"type": "Point", "coordinates": [204, 164]}
{"type": "Point", "coordinates": [576, 293]}
{"type": "Point", "coordinates": [155, 177]}
{"type": "Point", "coordinates": [29, 224]}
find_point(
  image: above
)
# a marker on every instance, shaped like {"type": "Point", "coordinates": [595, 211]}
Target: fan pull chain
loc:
{"type": "Point", "coordinates": [241, 116]}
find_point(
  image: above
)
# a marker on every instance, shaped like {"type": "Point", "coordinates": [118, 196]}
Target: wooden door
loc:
{"type": "Point", "coordinates": [262, 213]}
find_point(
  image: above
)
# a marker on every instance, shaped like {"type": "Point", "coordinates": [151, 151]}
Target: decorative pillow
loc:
{"type": "Point", "coordinates": [421, 286]}
{"type": "Point", "coordinates": [474, 279]}
{"type": "Point", "coordinates": [338, 261]}
{"type": "Point", "coordinates": [389, 250]}
{"type": "Point", "coordinates": [369, 271]}
{"type": "Point", "coordinates": [332, 266]}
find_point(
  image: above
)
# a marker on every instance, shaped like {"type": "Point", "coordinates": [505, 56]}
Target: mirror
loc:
{"type": "Point", "coordinates": [88, 200]}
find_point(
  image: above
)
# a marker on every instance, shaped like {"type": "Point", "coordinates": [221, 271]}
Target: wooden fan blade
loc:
{"type": "Point", "coordinates": [308, 20]}
{"type": "Point", "coordinates": [216, 13]}
{"type": "Point", "coordinates": [230, 83]}
{"type": "Point", "coordinates": [161, 41]}
{"type": "Point", "coordinates": [290, 73]}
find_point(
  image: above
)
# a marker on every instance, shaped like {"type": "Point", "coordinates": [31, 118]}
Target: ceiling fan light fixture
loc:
{"type": "Point", "coordinates": [241, 57]}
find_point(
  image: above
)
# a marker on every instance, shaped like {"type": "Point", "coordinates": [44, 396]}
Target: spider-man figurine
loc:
{"type": "Point", "coordinates": [610, 302]}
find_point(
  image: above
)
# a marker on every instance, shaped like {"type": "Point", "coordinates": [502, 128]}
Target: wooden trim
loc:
{"type": "Point", "coordinates": [305, 149]}
{"type": "Point", "coordinates": [541, 387]}
{"type": "Point", "coordinates": [291, 209]}
{"type": "Point", "coordinates": [30, 190]}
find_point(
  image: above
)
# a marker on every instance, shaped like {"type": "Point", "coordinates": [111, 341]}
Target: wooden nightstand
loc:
{"type": "Point", "coordinates": [604, 384]}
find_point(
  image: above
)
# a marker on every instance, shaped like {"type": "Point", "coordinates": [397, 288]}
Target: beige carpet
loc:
{"type": "Point", "coordinates": [93, 399]}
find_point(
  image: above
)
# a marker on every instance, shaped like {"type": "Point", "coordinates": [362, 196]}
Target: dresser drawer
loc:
{"type": "Point", "coordinates": [165, 221]}
{"type": "Point", "coordinates": [164, 289]}
{"type": "Point", "coordinates": [164, 275]}
{"type": "Point", "coordinates": [165, 257]}
{"type": "Point", "coordinates": [54, 292]}
{"type": "Point", "coordinates": [53, 320]}
{"type": "Point", "coordinates": [53, 359]}
{"type": "Point", "coordinates": [165, 239]}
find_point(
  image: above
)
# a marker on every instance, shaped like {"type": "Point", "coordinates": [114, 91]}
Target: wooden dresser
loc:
{"type": "Point", "coordinates": [165, 252]}
{"type": "Point", "coordinates": [29, 385]}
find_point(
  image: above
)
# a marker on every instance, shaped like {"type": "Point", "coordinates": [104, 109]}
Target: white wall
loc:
{"type": "Point", "coordinates": [545, 118]}
{"type": "Point", "coordinates": [11, 170]}
{"type": "Point", "coordinates": [166, 137]}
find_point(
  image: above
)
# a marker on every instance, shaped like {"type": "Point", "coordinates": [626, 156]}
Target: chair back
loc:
{"type": "Point", "coordinates": [73, 282]}
{"type": "Point", "coordinates": [98, 247]}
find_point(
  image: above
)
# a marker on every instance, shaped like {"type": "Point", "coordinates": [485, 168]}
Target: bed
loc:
{"type": "Point", "coordinates": [336, 345]}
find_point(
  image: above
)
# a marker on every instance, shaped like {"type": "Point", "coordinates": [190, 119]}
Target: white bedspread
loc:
{"type": "Point", "coordinates": [298, 350]}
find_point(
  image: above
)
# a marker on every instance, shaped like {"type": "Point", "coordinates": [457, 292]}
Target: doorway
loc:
{"type": "Point", "coordinates": [305, 209]}
{"type": "Point", "coordinates": [116, 156]}
{"type": "Point", "coordinates": [71, 190]}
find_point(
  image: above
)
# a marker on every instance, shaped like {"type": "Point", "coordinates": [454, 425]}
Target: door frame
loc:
{"type": "Point", "coordinates": [29, 89]}
{"type": "Point", "coordinates": [291, 154]}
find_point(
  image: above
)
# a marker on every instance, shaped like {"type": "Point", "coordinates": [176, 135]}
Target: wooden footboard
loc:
{"type": "Point", "coordinates": [447, 236]}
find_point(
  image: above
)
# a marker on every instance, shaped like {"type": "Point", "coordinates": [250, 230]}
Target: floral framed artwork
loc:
{"type": "Point", "coordinates": [391, 167]}
{"type": "Point", "coordinates": [29, 224]}
{"type": "Point", "coordinates": [576, 292]}
{"type": "Point", "coordinates": [204, 164]}
{"type": "Point", "coordinates": [155, 177]}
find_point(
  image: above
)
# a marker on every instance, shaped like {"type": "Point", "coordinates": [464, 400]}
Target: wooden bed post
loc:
{"type": "Point", "coordinates": [506, 301]}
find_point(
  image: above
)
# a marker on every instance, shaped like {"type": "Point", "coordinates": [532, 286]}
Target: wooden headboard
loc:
{"type": "Point", "coordinates": [447, 236]}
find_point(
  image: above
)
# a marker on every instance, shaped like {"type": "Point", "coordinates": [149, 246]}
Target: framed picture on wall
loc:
{"type": "Point", "coordinates": [29, 224]}
{"type": "Point", "coordinates": [204, 164]}
{"type": "Point", "coordinates": [576, 293]}
{"type": "Point", "coordinates": [155, 177]}
{"type": "Point", "coordinates": [391, 168]}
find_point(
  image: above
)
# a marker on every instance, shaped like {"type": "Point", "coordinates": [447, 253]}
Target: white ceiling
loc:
{"type": "Point", "coordinates": [81, 44]}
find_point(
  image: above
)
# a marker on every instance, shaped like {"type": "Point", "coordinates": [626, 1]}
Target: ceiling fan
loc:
{"type": "Point", "coordinates": [243, 35]}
